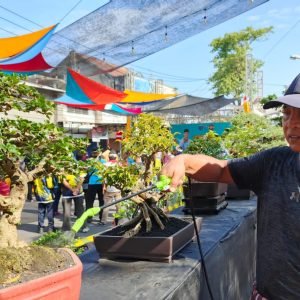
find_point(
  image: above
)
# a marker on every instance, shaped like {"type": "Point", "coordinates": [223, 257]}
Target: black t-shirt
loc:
{"type": "Point", "coordinates": [274, 175]}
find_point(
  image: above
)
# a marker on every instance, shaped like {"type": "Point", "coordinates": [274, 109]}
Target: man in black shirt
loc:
{"type": "Point", "coordinates": [274, 175]}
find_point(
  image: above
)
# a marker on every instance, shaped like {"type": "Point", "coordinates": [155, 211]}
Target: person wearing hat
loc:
{"type": "Point", "coordinates": [274, 176]}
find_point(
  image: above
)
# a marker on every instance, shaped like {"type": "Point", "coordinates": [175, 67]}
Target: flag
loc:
{"type": "Point", "coordinates": [246, 104]}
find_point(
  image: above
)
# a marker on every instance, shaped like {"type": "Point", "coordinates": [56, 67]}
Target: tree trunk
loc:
{"type": "Point", "coordinates": [10, 210]}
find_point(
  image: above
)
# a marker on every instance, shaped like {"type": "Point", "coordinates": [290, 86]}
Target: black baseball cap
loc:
{"type": "Point", "coordinates": [291, 96]}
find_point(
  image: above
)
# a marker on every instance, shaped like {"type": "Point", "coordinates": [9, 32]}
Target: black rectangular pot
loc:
{"type": "Point", "coordinates": [204, 189]}
{"type": "Point", "coordinates": [234, 192]}
{"type": "Point", "coordinates": [143, 247]}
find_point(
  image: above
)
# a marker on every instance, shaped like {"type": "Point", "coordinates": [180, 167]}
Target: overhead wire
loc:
{"type": "Point", "coordinates": [169, 75]}
{"type": "Point", "coordinates": [10, 32]}
{"type": "Point", "coordinates": [70, 11]}
{"type": "Point", "coordinates": [282, 38]}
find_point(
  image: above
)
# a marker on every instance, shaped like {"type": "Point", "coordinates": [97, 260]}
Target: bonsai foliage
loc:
{"type": "Point", "coordinates": [44, 145]}
{"type": "Point", "coordinates": [251, 133]}
{"type": "Point", "coordinates": [147, 136]}
{"type": "Point", "coordinates": [123, 177]}
{"type": "Point", "coordinates": [230, 60]}
{"type": "Point", "coordinates": [210, 144]}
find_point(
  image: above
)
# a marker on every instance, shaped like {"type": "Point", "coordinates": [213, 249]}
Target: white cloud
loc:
{"type": "Point", "coordinates": [282, 26]}
{"type": "Point", "coordinates": [253, 18]}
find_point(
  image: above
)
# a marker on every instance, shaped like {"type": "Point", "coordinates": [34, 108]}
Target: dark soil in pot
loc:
{"type": "Point", "coordinates": [171, 227]}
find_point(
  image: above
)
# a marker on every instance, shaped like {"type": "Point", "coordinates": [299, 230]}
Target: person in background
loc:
{"type": "Point", "coordinates": [56, 194]}
{"type": "Point", "coordinates": [30, 189]}
{"type": "Point", "coordinates": [111, 193]}
{"type": "Point", "coordinates": [45, 201]}
{"type": "Point", "coordinates": [274, 176]}
{"type": "Point", "coordinates": [157, 161]}
{"type": "Point", "coordinates": [95, 187]}
{"type": "Point", "coordinates": [105, 155]}
{"type": "Point", "coordinates": [4, 186]}
{"type": "Point", "coordinates": [72, 191]}
{"type": "Point", "coordinates": [185, 141]}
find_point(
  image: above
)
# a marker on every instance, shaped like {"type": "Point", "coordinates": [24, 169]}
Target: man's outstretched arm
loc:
{"type": "Point", "coordinates": [200, 167]}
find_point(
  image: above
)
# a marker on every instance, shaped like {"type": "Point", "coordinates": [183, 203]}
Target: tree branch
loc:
{"type": "Point", "coordinates": [38, 170]}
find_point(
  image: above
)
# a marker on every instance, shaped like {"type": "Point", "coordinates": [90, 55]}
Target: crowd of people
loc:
{"type": "Point", "coordinates": [82, 190]}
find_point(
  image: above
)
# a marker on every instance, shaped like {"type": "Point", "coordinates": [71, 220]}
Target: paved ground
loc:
{"type": "Point", "coordinates": [28, 228]}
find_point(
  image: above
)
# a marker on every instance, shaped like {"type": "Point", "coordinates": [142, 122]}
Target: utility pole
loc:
{"type": "Point", "coordinates": [260, 84]}
{"type": "Point", "coordinates": [249, 78]}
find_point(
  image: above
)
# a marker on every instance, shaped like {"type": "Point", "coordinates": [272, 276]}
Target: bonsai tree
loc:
{"type": "Point", "coordinates": [147, 136]}
{"type": "Point", "coordinates": [47, 148]}
{"type": "Point", "coordinates": [251, 133]}
{"type": "Point", "coordinates": [209, 144]}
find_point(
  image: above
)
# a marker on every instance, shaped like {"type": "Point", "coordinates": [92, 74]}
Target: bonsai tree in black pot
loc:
{"type": "Point", "coordinates": [206, 196]}
{"type": "Point", "coordinates": [147, 136]}
{"type": "Point", "coordinates": [248, 135]}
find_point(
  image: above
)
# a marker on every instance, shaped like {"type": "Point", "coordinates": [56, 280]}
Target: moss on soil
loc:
{"type": "Point", "coordinates": [21, 264]}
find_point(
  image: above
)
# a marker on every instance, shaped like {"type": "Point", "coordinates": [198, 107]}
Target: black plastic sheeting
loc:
{"type": "Point", "coordinates": [125, 31]}
{"type": "Point", "coordinates": [228, 241]}
{"type": "Point", "coordinates": [188, 105]}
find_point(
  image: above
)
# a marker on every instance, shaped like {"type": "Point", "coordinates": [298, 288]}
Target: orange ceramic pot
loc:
{"type": "Point", "coordinates": [63, 285]}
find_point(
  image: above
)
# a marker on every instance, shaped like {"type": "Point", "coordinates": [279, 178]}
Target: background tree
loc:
{"type": "Point", "coordinates": [277, 119]}
{"type": "Point", "coordinates": [230, 60]}
{"type": "Point", "coordinates": [267, 99]}
{"type": "Point", "coordinates": [46, 146]}
{"type": "Point", "coordinates": [250, 134]}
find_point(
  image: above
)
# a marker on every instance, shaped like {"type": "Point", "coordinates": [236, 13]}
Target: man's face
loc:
{"type": "Point", "coordinates": [291, 126]}
{"type": "Point", "coordinates": [186, 135]}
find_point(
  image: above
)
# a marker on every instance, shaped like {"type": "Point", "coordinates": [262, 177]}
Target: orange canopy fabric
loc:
{"type": "Point", "coordinates": [141, 97]}
{"type": "Point", "coordinates": [15, 45]}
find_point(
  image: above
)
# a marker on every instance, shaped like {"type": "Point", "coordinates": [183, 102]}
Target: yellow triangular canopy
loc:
{"type": "Point", "coordinates": [134, 97]}
{"type": "Point", "coordinates": [14, 45]}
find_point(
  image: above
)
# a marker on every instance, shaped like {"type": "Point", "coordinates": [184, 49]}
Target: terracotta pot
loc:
{"type": "Point", "coordinates": [143, 247]}
{"type": "Point", "coordinates": [62, 285]}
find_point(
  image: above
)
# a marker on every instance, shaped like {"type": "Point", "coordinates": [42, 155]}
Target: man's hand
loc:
{"type": "Point", "coordinates": [175, 169]}
{"type": "Point", "coordinates": [200, 167]}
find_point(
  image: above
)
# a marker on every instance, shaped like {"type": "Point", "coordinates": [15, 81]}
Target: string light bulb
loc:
{"type": "Point", "coordinates": [166, 34]}
{"type": "Point", "coordinates": [132, 47]}
{"type": "Point", "coordinates": [205, 17]}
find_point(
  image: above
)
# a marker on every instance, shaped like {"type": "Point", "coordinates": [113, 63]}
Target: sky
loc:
{"type": "Point", "coordinates": [186, 65]}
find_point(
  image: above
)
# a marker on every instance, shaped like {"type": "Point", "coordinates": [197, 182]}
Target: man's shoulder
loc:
{"type": "Point", "coordinates": [280, 151]}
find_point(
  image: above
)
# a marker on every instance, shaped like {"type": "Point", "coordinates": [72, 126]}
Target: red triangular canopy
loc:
{"type": "Point", "coordinates": [35, 64]}
{"type": "Point", "coordinates": [85, 106]}
{"type": "Point", "coordinates": [96, 91]}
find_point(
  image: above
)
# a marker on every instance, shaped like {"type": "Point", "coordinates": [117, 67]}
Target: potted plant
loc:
{"type": "Point", "coordinates": [248, 135]}
{"type": "Point", "coordinates": [49, 151]}
{"type": "Point", "coordinates": [149, 233]}
{"type": "Point", "coordinates": [205, 196]}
